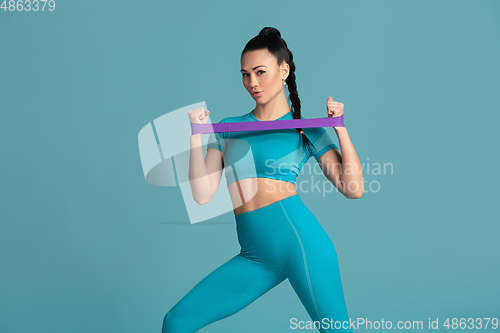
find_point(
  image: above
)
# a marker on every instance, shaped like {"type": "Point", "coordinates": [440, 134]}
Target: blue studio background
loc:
{"type": "Point", "coordinates": [87, 245]}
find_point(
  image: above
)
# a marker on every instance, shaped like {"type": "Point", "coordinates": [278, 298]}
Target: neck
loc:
{"type": "Point", "coordinates": [273, 109]}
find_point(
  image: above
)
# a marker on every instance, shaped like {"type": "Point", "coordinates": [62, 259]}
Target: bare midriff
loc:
{"type": "Point", "coordinates": [253, 193]}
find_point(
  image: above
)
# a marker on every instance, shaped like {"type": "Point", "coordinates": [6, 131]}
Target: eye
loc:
{"type": "Point", "coordinates": [246, 74]}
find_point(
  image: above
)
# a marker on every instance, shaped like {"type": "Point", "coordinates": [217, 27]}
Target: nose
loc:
{"type": "Point", "coordinates": [253, 81]}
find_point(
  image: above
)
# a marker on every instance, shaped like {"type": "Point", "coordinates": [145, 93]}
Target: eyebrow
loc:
{"type": "Point", "coordinates": [242, 70]}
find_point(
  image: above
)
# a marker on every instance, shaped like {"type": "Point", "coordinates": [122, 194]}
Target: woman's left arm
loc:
{"type": "Point", "coordinates": [342, 170]}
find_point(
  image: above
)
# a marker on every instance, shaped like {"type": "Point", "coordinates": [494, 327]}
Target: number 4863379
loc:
{"type": "Point", "coordinates": [27, 5]}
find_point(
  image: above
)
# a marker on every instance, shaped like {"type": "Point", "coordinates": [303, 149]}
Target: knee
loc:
{"type": "Point", "coordinates": [173, 323]}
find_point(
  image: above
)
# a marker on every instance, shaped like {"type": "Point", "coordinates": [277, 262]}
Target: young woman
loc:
{"type": "Point", "coordinates": [279, 237]}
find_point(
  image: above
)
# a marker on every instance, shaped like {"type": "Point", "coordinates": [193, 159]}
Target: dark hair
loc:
{"type": "Point", "coordinates": [270, 38]}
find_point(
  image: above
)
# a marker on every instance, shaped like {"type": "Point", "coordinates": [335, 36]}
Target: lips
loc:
{"type": "Point", "coordinates": [256, 92]}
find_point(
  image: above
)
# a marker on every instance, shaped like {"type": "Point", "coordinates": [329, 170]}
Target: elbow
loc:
{"type": "Point", "coordinates": [202, 201]}
{"type": "Point", "coordinates": [354, 195]}
{"type": "Point", "coordinates": [201, 197]}
{"type": "Point", "coordinates": [356, 192]}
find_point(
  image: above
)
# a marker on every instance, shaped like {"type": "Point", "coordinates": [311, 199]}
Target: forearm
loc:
{"type": "Point", "coordinates": [199, 180]}
{"type": "Point", "coordinates": [351, 173]}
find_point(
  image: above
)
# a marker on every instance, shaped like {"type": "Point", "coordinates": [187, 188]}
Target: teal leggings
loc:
{"type": "Point", "coordinates": [278, 241]}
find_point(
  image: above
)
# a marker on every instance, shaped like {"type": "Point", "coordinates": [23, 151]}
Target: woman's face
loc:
{"type": "Point", "coordinates": [260, 72]}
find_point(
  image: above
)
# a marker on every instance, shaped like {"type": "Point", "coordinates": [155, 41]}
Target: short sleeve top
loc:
{"type": "Point", "coordinates": [276, 154]}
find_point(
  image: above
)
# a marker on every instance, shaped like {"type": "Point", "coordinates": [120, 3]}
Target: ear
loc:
{"type": "Point", "coordinates": [285, 70]}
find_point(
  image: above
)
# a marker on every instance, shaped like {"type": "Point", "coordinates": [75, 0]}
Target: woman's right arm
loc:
{"type": "Point", "coordinates": [204, 174]}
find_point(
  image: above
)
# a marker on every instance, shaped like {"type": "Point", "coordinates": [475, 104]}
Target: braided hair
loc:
{"type": "Point", "coordinates": [270, 38]}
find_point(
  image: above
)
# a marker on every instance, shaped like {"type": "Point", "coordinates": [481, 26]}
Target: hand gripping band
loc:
{"type": "Point", "coordinates": [267, 125]}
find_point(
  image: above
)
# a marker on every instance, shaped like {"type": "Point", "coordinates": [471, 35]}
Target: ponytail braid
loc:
{"type": "Point", "coordinates": [294, 98]}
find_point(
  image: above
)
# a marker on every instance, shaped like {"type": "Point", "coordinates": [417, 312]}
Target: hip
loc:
{"type": "Point", "coordinates": [286, 216]}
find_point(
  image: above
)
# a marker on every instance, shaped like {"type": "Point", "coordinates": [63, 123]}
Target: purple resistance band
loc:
{"type": "Point", "coordinates": [267, 125]}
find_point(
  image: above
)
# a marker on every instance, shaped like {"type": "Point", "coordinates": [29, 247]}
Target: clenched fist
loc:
{"type": "Point", "coordinates": [199, 115]}
{"type": "Point", "coordinates": [335, 109]}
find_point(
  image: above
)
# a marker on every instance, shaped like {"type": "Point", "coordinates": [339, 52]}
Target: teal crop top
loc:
{"type": "Point", "coordinates": [276, 154]}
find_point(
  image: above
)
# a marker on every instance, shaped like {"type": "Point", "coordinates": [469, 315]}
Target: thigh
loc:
{"type": "Point", "coordinates": [316, 279]}
{"type": "Point", "coordinates": [313, 271]}
{"type": "Point", "coordinates": [222, 293]}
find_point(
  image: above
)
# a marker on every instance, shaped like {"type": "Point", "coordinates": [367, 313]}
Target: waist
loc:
{"type": "Point", "coordinates": [253, 193]}
{"type": "Point", "coordinates": [267, 218]}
